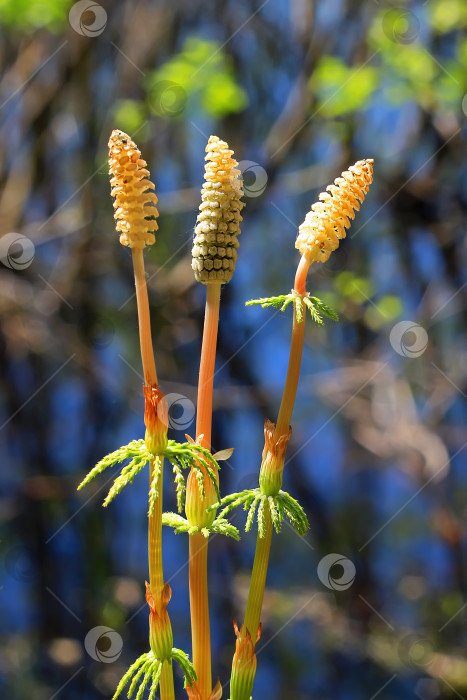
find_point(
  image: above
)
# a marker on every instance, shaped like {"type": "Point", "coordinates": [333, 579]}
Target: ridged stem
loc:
{"type": "Point", "coordinates": [263, 544]}
{"type": "Point", "coordinates": [199, 606]}
{"type": "Point", "coordinates": [144, 320]}
{"type": "Point", "coordinates": [198, 547]}
{"type": "Point", "coordinates": [156, 573]}
{"type": "Point", "coordinates": [258, 578]}
{"type": "Point", "coordinates": [207, 362]}
{"type": "Point", "coordinates": [295, 356]}
{"type": "Point", "coordinates": [167, 681]}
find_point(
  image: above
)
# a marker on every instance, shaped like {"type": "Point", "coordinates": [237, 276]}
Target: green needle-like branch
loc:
{"type": "Point", "coordinates": [146, 662]}
{"type": "Point", "coordinates": [148, 668]}
{"type": "Point", "coordinates": [315, 306]}
{"type": "Point", "coordinates": [255, 503]}
{"type": "Point", "coordinates": [181, 456]}
{"type": "Point", "coordinates": [220, 526]}
{"type": "Point", "coordinates": [135, 450]}
{"type": "Point", "coordinates": [185, 664]}
{"type": "Point", "coordinates": [191, 455]}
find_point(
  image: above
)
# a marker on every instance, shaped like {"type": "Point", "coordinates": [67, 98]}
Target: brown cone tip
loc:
{"type": "Point", "coordinates": [218, 223]}
{"type": "Point", "coordinates": [133, 192]}
{"type": "Point", "coordinates": [325, 224]}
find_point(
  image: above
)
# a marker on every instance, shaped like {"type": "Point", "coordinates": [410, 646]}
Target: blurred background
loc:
{"type": "Point", "coordinates": [371, 602]}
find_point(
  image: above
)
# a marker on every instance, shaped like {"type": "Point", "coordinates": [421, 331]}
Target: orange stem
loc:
{"type": "Point", "coordinates": [295, 357]}
{"type": "Point", "coordinates": [156, 573]}
{"type": "Point", "coordinates": [198, 561]}
{"type": "Point", "coordinates": [300, 275]}
{"type": "Point", "coordinates": [199, 606]}
{"type": "Point", "coordinates": [144, 319]}
{"type": "Point", "coordinates": [207, 362]}
{"type": "Point", "coordinates": [263, 544]}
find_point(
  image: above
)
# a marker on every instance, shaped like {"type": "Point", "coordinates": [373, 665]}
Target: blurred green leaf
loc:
{"type": "Point", "coordinates": [220, 94]}
{"type": "Point", "coordinates": [340, 89]}
{"type": "Point", "coordinates": [373, 319]}
{"type": "Point", "coordinates": [462, 52]}
{"type": "Point", "coordinates": [411, 72]}
{"type": "Point", "coordinates": [26, 15]}
{"type": "Point", "coordinates": [113, 614]}
{"type": "Point", "coordinates": [450, 88]}
{"type": "Point", "coordinates": [331, 299]}
{"type": "Point", "coordinates": [390, 306]}
{"type": "Point", "coordinates": [361, 290]}
{"type": "Point", "coordinates": [447, 15]}
{"type": "Point", "coordinates": [129, 115]}
{"type": "Point", "coordinates": [357, 289]}
{"type": "Point", "coordinates": [451, 603]}
{"type": "Point", "coordinates": [201, 70]}
{"type": "Point", "coordinates": [377, 314]}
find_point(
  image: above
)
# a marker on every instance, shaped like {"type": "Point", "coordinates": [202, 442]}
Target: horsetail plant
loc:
{"type": "Point", "coordinates": [213, 261]}
{"type": "Point", "coordinates": [320, 233]}
{"type": "Point", "coordinates": [135, 213]}
{"type": "Point", "coordinates": [214, 255]}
